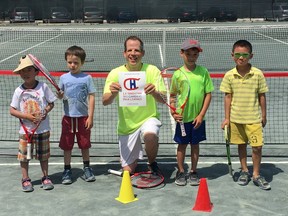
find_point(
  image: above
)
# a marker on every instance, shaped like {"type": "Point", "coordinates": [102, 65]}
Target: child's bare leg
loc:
{"type": "Point", "coordinates": [85, 154]}
{"type": "Point", "coordinates": [67, 157]}
{"type": "Point", "coordinates": [242, 151]}
{"type": "Point", "coordinates": [256, 158]}
{"type": "Point", "coordinates": [181, 150]}
{"type": "Point", "coordinates": [194, 157]}
{"type": "Point", "coordinates": [24, 169]}
{"type": "Point", "coordinates": [44, 167]}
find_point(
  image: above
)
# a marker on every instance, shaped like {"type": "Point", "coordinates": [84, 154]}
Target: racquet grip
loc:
{"type": "Point", "coordinates": [115, 172]}
{"type": "Point", "coordinates": [183, 132]}
{"type": "Point", "coordinates": [226, 132]}
{"type": "Point", "coordinates": [64, 96]}
{"type": "Point", "coordinates": [28, 151]}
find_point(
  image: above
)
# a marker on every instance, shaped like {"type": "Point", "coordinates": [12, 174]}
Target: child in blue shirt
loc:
{"type": "Point", "coordinates": [78, 93]}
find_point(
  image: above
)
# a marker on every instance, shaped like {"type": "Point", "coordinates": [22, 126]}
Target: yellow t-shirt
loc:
{"type": "Point", "coordinates": [130, 118]}
{"type": "Point", "coordinates": [245, 108]}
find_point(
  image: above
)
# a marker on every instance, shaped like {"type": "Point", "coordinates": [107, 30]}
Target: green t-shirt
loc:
{"type": "Point", "coordinates": [130, 118]}
{"type": "Point", "coordinates": [200, 84]}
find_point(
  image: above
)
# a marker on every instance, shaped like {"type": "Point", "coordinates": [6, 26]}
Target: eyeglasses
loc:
{"type": "Point", "coordinates": [244, 55]}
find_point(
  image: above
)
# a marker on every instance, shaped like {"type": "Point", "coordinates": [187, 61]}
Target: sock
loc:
{"type": "Point", "coordinates": [86, 163]}
{"type": "Point", "coordinates": [67, 167]}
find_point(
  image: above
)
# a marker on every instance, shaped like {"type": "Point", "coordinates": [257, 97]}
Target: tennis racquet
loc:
{"type": "Point", "coordinates": [227, 139]}
{"type": "Point", "coordinates": [31, 103]}
{"type": "Point", "coordinates": [44, 71]}
{"type": "Point", "coordinates": [177, 90]}
{"type": "Point", "coordinates": [142, 180]}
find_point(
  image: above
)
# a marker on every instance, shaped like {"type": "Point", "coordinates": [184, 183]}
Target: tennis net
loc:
{"type": "Point", "coordinates": [104, 46]}
{"type": "Point", "coordinates": [105, 118]}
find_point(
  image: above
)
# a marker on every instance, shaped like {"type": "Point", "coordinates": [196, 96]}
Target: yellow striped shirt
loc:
{"type": "Point", "coordinates": [245, 107]}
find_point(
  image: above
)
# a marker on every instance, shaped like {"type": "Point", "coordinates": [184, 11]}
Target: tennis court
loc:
{"type": "Point", "coordinates": [98, 198]}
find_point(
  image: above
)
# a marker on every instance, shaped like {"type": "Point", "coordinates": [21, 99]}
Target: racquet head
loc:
{"type": "Point", "coordinates": [177, 89]}
{"type": "Point", "coordinates": [31, 103]}
{"type": "Point", "coordinates": [164, 84]}
{"type": "Point", "coordinates": [146, 180]}
{"type": "Point", "coordinates": [143, 180]}
{"type": "Point", "coordinates": [44, 71]}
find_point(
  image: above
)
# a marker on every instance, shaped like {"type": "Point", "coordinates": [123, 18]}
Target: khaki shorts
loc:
{"type": "Point", "coordinates": [246, 134]}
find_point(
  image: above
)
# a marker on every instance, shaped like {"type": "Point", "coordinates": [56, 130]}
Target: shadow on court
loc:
{"type": "Point", "coordinates": [98, 198]}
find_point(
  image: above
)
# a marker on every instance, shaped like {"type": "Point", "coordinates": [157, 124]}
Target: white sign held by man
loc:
{"type": "Point", "coordinates": [132, 85]}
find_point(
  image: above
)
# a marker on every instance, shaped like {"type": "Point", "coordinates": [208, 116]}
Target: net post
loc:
{"type": "Point", "coordinates": [164, 48]}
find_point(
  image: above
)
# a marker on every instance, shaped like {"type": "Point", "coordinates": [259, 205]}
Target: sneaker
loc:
{"type": "Point", "coordinates": [193, 179]}
{"type": "Point", "coordinates": [27, 185]}
{"type": "Point", "coordinates": [88, 175]}
{"type": "Point", "coordinates": [244, 178]}
{"type": "Point", "coordinates": [67, 177]}
{"type": "Point", "coordinates": [261, 183]}
{"type": "Point", "coordinates": [180, 179]}
{"type": "Point", "coordinates": [47, 183]}
{"type": "Point", "coordinates": [153, 167]}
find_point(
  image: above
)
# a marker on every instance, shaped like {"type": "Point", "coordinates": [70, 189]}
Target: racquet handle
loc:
{"type": "Point", "coordinates": [28, 151]}
{"type": "Point", "coordinates": [226, 132]}
{"type": "Point", "coordinates": [115, 172]}
{"type": "Point", "coordinates": [183, 132]}
{"type": "Point", "coordinates": [62, 92]}
{"type": "Point", "coordinates": [64, 96]}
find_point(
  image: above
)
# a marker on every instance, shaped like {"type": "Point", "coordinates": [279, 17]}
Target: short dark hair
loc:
{"type": "Point", "coordinates": [134, 38]}
{"type": "Point", "coordinates": [242, 43]}
{"type": "Point", "coordinates": [77, 51]}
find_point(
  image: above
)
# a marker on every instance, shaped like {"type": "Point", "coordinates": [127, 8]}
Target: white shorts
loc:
{"type": "Point", "coordinates": [130, 145]}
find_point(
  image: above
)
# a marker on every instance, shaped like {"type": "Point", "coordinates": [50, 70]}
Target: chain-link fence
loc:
{"type": "Point", "coordinates": [146, 9]}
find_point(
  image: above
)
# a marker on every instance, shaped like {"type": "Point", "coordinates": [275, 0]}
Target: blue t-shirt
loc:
{"type": "Point", "coordinates": [76, 88]}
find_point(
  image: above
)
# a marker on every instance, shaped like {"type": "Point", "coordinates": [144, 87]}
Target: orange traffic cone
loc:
{"type": "Point", "coordinates": [203, 202]}
{"type": "Point", "coordinates": [126, 194]}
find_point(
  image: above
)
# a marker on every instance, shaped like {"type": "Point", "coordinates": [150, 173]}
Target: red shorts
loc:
{"type": "Point", "coordinates": [72, 127]}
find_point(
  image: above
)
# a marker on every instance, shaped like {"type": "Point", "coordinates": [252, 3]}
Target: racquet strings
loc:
{"type": "Point", "coordinates": [177, 91]}
{"type": "Point", "coordinates": [44, 71]}
{"type": "Point", "coordinates": [146, 180]}
{"type": "Point", "coordinates": [30, 104]}
{"type": "Point", "coordinates": [166, 74]}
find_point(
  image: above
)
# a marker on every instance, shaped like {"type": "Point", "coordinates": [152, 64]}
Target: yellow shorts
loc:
{"type": "Point", "coordinates": [246, 134]}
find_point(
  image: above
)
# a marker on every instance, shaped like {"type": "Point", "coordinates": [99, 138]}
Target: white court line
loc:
{"type": "Point", "coordinates": [117, 163]}
{"type": "Point", "coordinates": [9, 41]}
{"type": "Point", "coordinates": [30, 48]}
{"type": "Point", "coordinates": [283, 42]}
{"type": "Point", "coordinates": [173, 124]}
{"type": "Point", "coordinates": [161, 56]}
